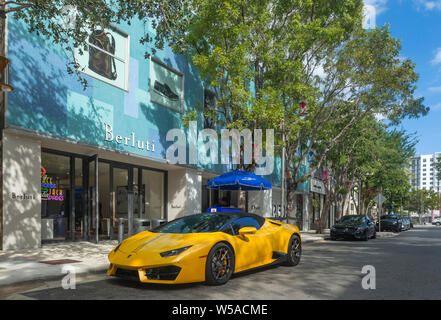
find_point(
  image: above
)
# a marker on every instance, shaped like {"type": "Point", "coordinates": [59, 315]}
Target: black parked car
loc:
{"type": "Point", "coordinates": [390, 222]}
{"type": "Point", "coordinates": [405, 224]}
{"type": "Point", "coordinates": [354, 227]}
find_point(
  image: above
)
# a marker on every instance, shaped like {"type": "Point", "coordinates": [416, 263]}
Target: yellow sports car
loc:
{"type": "Point", "coordinates": [207, 247]}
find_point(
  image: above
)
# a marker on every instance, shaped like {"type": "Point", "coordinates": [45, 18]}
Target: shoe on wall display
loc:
{"type": "Point", "coordinates": [164, 90]}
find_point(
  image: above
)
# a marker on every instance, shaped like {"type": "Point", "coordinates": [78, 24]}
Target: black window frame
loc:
{"type": "Point", "coordinates": [259, 221]}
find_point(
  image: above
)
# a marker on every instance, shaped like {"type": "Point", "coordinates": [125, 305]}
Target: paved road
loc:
{"type": "Point", "coordinates": [407, 267]}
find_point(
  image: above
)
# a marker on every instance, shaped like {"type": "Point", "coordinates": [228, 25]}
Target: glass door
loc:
{"type": "Point", "coordinates": [120, 198]}
{"type": "Point", "coordinates": [92, 217]}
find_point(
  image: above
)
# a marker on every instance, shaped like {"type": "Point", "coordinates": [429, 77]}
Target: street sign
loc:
{"type": "Point", "coordinates": [380, 199]}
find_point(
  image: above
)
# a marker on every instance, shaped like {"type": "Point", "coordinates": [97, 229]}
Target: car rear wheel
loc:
{"type": "Point", "coordinates": [437, 224]}
{"type": "Point", "coordinates": [294, 251]}
{"type": "Point", "coordinates": [220, 264]}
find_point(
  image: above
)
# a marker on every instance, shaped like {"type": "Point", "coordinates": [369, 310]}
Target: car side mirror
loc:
{"type": "Point", "coordinates": [247, 230]}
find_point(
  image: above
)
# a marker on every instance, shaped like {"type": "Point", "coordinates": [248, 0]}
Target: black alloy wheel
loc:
{"type": "Point", "coordinates": [294, 251]}
{"type": "Point", "coordinates": [220, 264]}
{"type": "Point", "coordinates": [365, 236]}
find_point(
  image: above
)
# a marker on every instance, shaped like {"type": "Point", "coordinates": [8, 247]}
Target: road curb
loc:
{"type": "Point", "coordinates": [82, 272]}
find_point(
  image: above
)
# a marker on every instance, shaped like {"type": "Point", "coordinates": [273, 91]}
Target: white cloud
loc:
{"type": "Point", "coordinates": [435, 107]}
{"type": "Point", "coordinates": [428, 5]}
{"type": "Point", "coordinates": [434, 89]}
{"type": "Point", "coordinates": [437, 58]}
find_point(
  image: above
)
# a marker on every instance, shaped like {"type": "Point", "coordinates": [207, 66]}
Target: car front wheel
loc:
{"type": "Point", "coordinates": [220, 264]}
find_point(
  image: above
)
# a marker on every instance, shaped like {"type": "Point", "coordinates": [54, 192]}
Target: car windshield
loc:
{"type": "Point", "coordinates": [205, 222]}
{"type": "Point", "coordinates": [351, 219]}
{"type": "Point", "coordinates": [389, 217]}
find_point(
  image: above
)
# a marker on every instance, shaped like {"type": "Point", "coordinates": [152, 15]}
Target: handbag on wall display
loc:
{"type": "Point", "coordinates": [99, 61]}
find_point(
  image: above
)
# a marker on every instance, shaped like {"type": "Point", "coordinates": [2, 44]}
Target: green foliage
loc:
{"type": "Point", "coordinates": [422, 200]}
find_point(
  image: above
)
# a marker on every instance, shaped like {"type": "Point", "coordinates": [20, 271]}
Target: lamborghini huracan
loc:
{"type": "Point", "coordinates": [206, 247]}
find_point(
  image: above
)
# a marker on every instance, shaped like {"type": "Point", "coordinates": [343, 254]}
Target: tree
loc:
{"type": "Point", "coordinates": [422, 200]}
{"type": "Point", "coordinates": [370, 157]}
{"type": "Point", "coordinates": [353, 87]}
{"type": "Point", "coordinates": [253, 54]}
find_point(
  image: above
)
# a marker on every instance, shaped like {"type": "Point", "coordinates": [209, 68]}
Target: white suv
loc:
{"type": "Point", "coordinates": [437, 221]}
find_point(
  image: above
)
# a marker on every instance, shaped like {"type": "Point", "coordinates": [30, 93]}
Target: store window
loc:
{"type": "Point", "coordinates": [106, 56]}
{"type": "Point", "coordinates": [55, 196]}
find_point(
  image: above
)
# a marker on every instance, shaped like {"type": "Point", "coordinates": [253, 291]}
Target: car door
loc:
{"type": "Point", "coordinates": [251, 250]}
{"type": "Point", "coordinates": [371, 227]}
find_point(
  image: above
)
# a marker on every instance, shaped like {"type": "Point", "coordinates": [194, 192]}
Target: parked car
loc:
{"type": "Point", "coordinates": [354, 227]}
{"type": "Point", "coordinates": [390, 222]}
{"type": "Point", "coordinates": [437, 221]}
{"type": "Point", "coordinates": [405, 224]}
{"type": "Point", "coordinates": [206, 247]}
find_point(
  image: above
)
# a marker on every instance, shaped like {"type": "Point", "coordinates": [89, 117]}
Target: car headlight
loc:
{"type": "Point", "coordinates": [173, 252]}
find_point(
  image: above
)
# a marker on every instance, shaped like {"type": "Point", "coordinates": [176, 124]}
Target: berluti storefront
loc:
{"type": "Point", "coordinates": [50, 194]}
{"type": "Point", "coordinates": [85, 197]}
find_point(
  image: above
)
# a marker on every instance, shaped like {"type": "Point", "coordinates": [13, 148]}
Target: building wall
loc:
{"type": "Point", "coordinates": [193, 199]}
{"type": "Point", "coordinates": [21, 192]}
{"type": "Point", "coordinates": [423, 173]}
{"type": "Point", "coordinates": [176, 193]}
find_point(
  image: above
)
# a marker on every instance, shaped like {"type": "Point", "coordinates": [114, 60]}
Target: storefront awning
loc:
{"type": "Point", "coordinates": [239, 180]}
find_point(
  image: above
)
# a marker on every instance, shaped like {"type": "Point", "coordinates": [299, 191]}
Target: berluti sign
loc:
{"type": "Point", "coordinates": [132, 141]}
{"type": "Point", "coordinates": [22, 196]}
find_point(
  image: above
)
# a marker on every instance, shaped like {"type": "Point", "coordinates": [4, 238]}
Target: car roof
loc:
{"type": "Point", "coordinates": [238, 215]}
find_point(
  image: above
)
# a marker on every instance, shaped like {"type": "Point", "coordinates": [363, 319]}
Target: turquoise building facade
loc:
{"type": "Point", "coordinates": [88, 159]}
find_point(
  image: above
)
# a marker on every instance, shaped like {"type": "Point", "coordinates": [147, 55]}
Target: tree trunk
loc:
{"type": "Point", "coordinates": [324, 215]}
{"type": "Point", "coordinates": [346, 203]}
{"type": "Point", "coordinates": [290, 203]}
{"type": "Point", "coordinates": [3, 22]}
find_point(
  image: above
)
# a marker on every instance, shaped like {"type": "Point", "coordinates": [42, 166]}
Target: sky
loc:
{"type": "Point", "coordinates": [418, 24]}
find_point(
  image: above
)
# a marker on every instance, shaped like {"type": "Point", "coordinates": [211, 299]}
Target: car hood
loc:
{"type": "Point", "coordinates": [389, 220]}
{"type": "Point", "coordinates": [144, 248]}
{"type": "Point", "coordinates": [158, 242]}
{"type": "Point", "coordinates": [347, 225]}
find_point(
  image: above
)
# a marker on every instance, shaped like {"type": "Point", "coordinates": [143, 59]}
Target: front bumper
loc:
{"type": "Point", "coordinates": [347, 234]}
{"type": "Point", "coordinates": [156, 274]}
{"type": "Point", "coordinates": [173, 271]}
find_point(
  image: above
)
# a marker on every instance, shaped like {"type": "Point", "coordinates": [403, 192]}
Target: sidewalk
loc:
{"type": "Point", "coordinates": [24, 265]}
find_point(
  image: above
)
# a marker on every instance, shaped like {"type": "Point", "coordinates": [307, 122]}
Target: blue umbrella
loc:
{"type": "Point", "coordinates": [239, 180]}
